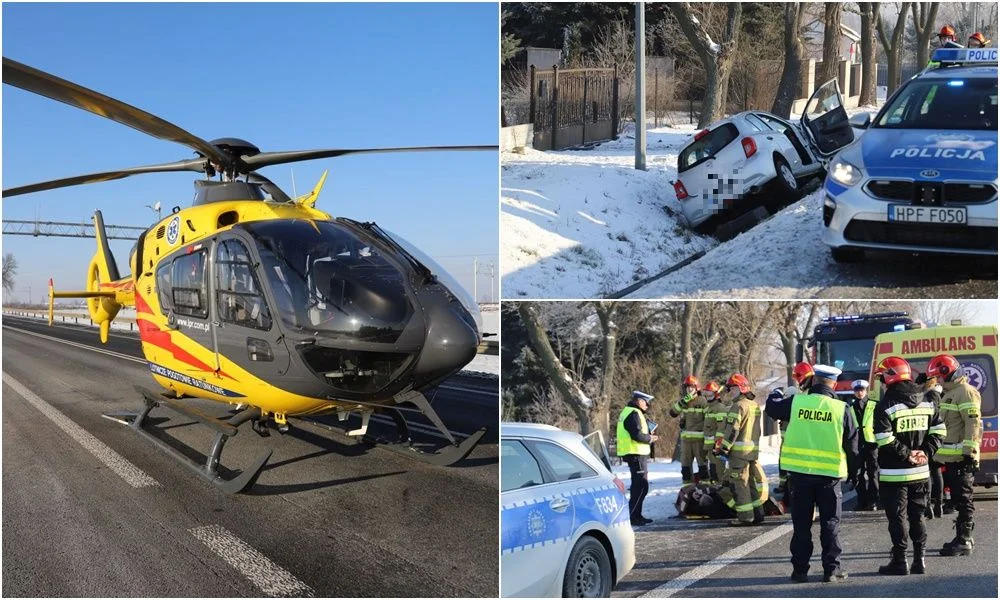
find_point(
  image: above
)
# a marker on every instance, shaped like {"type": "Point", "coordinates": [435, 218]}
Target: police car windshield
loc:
{"type": "Point", "coordinates": [939, 103]}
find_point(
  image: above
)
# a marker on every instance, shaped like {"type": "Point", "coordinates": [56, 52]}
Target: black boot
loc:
{"type": "Point", "coordinates": [685, 475]}
{"type": "Point", "coordinates": [962, 544]}
{"type": "Point", "coordinates": [702, 476]}
{"type": "Point", "coordinates": [758, 515]}
{"type": "Point", "coordinates": [917, 568]}
{"type": "Point", "coordinates": [936, 508]}
{"type": "Point", "coordinates": [896, 566]}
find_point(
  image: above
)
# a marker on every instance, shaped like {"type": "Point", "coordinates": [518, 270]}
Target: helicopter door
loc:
{"type": "Point", "coordinates": [246, 333]}
{"type": "Point", "coordinates": [183, 293]}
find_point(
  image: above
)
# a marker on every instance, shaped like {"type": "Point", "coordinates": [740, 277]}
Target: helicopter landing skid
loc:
{"type": "Point", "coordinates": [224, 429]}
{"type": "Point", "coordinates": [446, 456]}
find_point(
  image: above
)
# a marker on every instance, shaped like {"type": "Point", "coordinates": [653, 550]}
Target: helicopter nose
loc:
{"type": "Point", "coordinates": [450, 344]}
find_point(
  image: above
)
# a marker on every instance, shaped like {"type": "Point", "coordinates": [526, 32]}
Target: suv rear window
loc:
{"type": "Point", "coordinates": [707, 147]}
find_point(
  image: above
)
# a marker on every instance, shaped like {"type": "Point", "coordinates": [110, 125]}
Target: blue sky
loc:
{"type": "Point", "coordinates": [288, 76]}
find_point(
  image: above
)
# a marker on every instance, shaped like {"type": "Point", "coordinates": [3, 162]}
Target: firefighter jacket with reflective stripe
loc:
{"type": "Point", "coordinates": [715, 419]}
{"type": "Point", "coordinates": [962, 415]}
{"type": "Point", "coordinates": [742, 432]}
{"type": "Point", "coordinates": [814, 441]}
{"type": "Point", "coordinates": [626, 444]}
{"type": "Point", "coordinates": [905, 421]}
{"type": "Point", "coordinates": [693, 419]}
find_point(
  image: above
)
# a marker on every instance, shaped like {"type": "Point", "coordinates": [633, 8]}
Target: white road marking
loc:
{"type": "Point", "coordinates": [268, 577]}
{"type": "Point", "coordinates": [132, 474]}
{"type": "Point", "coordinates": [79, 345]}
{"type": "Point", "coordinates": [708, 568]}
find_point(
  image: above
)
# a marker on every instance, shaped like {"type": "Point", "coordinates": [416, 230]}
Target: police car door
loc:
{"type": "Point", "coordinates": [825, 120]}
{"type": "Point", "coordinates": [536, 518]}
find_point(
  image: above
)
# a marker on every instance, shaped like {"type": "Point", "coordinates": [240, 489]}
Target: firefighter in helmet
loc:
{"type": "Point", "coordinates": [961, 409]}
{"type": "Point", "coordinates": [908, 430]}
{"type": "Point", "coordinates": [745, 487]}
{"type": "Point", "coordinates": [978, 40]}
{"type": "Point", "coordinates": [691, 409]}
{"type": "Point", "coordinates": [716, 409]}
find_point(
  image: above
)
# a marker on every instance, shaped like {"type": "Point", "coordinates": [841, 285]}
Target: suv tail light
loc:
{"type": "Point", "coordinates": [680, 190]}
{"type": "Point", "coordinates": [749, 146]}
{"type": "Point", "coordinates": [620, 485]}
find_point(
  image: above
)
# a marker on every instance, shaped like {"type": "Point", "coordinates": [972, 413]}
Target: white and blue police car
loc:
{"type": "Point", "coordinates": [564, 521]}
{"type": "Point", "coordinates": [923, 176]}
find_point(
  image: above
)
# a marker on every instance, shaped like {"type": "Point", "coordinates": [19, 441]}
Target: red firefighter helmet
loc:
{"type": "Point", "coordinates": [979, 39]}
{"type": "Point", "coordinates": [801, 372]}
{"type": "Point", "coordinates": [893, 370]}
{"type": "Point", "coordinates": [713, 387]}
{"type": "Point", "coordinates": [691, 380]}
{"type": "Point", "coordinates": [737, 380]}
{"type": "Point", "coordinates": [943, 365]}
{"type": "Point", "coordinates": [947, 31]}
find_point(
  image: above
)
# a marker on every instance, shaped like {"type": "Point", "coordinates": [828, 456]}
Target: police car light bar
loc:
{"type": "Point", "coordinates": [965, 55]}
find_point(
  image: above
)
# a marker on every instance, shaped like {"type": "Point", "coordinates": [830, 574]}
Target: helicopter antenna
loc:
{"type": "Point", "coordinates": [295, 194]}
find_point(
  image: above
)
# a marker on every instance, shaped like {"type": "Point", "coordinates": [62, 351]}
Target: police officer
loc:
{"type": "Point", "coordinates": [866, 475]}
{"type": "Point", "coordinates": [961, 411]}
{"type": "Point", "coordinates": [818, 450]}
{"type": "Point", "coordinates": [802, 375]}
{"type": "Point", "coordinates": [716, 409]}
{"type": "Point", "coordinates": [908, 430]}
{"type": "Point", "coordinates": [745, 487]}
{"type": "Point", "coordinates": [692, 407]}
{"type": "Point", "coordinates": [633, 440]}
{"type": "Point", "coordinates": [932, 393]}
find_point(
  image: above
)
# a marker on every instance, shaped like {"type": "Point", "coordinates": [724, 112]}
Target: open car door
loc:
{"type": "Point", "coordinates": [595, 442]}
{"type": "Point", "coordinates": [825, 120]}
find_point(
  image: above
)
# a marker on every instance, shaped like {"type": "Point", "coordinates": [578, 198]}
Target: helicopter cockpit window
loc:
{"type": "Point", "coordinates": [239, 296]}
{"type": "Point", "coordinates": [163, 286]}
{"type": "Point", "coordinates": [188, 285]}
{"type": "Point", "coordinates": [327, 279]}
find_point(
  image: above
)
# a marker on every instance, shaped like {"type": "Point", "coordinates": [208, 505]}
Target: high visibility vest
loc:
{"type": "Point", "coordinates": [813, 443]}
{"type": "Point", "coordinates": [868, 422]}
{"type": "Point", "coordinates": [626, 445]}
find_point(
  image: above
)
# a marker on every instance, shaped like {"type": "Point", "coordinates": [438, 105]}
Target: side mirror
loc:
{"type": "Point", "coordinates": [861, 120]}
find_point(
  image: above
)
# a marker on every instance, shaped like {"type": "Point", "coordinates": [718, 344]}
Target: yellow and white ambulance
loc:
{"type": "Point", "coordinates": [975, 347]}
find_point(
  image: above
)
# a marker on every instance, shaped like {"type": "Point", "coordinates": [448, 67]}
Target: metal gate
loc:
{"type": "Point", "coordinates": [570, 107]}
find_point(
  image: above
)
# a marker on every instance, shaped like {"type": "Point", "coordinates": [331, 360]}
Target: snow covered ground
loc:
{"type": "Point", "coordinates": [665, 482]}
{"type": "Point", "coordinates": [583, 223]}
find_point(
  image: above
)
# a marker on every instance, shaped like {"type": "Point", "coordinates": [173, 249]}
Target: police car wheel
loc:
{"type": "Point", "coordinates": [845, 254]}
{"type": "Point", "coordinates": [588, 572]}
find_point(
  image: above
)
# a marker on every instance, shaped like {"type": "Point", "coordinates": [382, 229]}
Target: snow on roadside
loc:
{"type": "Point", "coordinates": [665, 482]}
{"type": "Point", "coordinates": [583, 223]}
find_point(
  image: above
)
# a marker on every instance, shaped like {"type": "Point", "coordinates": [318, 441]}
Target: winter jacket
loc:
{"type": "Point", "coordinates": [742, 432]}
{"type": "Point", "coordinates": [693, 420]}
{"type": "Point", "coordinates": [905, 420]}
{"type": "Point", "coordinates": [962, 415]}
{"type": "Point", "coordinates": [633, 425]}
{"type": "Point", "coordinates": [781, 410]}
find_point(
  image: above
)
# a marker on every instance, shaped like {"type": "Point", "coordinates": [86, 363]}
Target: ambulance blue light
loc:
{"type": "Point", "coordinates": [956, 83]}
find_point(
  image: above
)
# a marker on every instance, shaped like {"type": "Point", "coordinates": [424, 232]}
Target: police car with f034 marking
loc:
{"type": "Point", "coordinates": [923, 177]}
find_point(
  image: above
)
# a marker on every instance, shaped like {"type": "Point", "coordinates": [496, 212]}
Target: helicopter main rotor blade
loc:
{"type": "Point", "coordinates": [194, 164]}
{"type": "Point", "coordinates": [266, 159]}
{"type": "Point", "coordinates": [50, 86]}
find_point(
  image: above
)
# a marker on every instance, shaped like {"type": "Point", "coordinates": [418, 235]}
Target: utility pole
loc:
{"type": "Point", "coordinates": [640, 86]}
{"type": "Point", "coordinates": [492, 280]}
{"type": "Point", "coordinates": [475, 277]}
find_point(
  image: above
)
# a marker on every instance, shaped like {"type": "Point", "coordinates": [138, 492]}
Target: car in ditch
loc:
{"type": "Point", "coordinates": [755, 159]}
{"type": "Point", "coordinates": [923, 177]}
{"type": "Point", "coordinates": [564, 517]}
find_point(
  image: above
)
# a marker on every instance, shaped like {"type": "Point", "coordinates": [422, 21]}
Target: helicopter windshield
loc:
{"type": "Point", "coordinates": [326, 279]}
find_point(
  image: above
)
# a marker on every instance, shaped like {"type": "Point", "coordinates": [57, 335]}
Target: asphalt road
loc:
{"type": "Point", "coordinates": [709, 558]}
{"type": "Point", "coordinates": [891, 275]}
{"type": "Point", "coordinates": [92, 509]}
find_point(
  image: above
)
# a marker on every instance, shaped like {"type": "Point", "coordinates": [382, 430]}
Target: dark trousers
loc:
{"type": "Point", "coordinates": [637, 466]}
{"type": "Point", "coordinates": [868, 475]}
{"type": "Point", "coordinates": [902, 502]}
{"type": "Point", "coordinates": [823, 493]}
{"type": "Point", "coordinates": [960, 482]}
{"type": "Point", "coordinates": [937, 482]}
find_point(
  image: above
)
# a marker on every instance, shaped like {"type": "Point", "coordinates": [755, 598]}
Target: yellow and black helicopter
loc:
{"type": "Point", "coordinates": [255, 299]}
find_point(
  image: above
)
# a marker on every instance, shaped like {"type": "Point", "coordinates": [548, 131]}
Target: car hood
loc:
{"type": "Point", "coordinates": [916, 153]}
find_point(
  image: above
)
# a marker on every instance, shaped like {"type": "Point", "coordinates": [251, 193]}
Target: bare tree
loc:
{"type": "Point", "coordinates": [924, 17]}
{"type": "Point", "coordinates": [560, 377]}
{"type": "Point", "coordinates": [791, 73]}
{"type": "Point", "coordinates": [716, 58]}
{"type": "Point", "coordinates": [831, 42]}
{"type": "Point", "coordinates": [9, 272]}
{"type": "Point", "coordinates": [609, 342]}
{"type": "Point", "coordinates": [869, 17]}
{"type": "Point", "coordinates": [893, 46]}
{"type": "Point", "coordinates": [943, 312]}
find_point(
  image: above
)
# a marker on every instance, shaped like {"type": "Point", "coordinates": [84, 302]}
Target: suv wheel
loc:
{"type": "Point", "coordinates": [785, 180]}
{"type": "Point", "coordinates": [588, 572]}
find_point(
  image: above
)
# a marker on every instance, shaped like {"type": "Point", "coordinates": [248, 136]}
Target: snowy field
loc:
{"type": "Point", "coordinates": [584, 223]}
{"type": "Point", "coordinates": [665, 482]}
